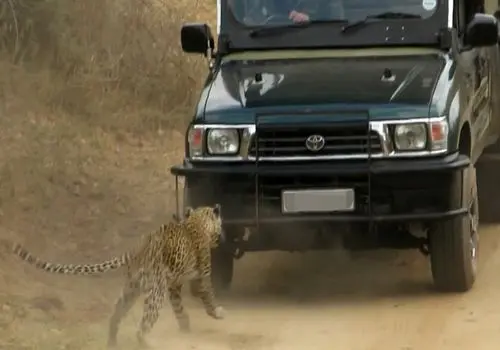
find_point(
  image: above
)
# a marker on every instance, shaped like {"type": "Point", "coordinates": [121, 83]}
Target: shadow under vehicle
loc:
{"type": "Point", "coordinates": [361, 126]}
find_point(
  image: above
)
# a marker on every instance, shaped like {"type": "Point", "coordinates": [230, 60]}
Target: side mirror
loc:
{"type": "Point", "coordinates": [482, 30]}
{"type": "Point", "coordinates": [197, 38]}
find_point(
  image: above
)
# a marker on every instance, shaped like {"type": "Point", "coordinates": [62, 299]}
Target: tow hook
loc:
{"type": "Point", "coordinates": [235, 248]}
{"type": "Point", "coordinates": [240, 242]}
{"type": "Point", "coordinates": [238, 253]}
{"type": "Point", "coordinates": [424, 246]}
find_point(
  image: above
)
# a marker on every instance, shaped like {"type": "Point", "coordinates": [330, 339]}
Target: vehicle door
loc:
{"type": "Point", "coordinates": [494, 64]}
{"type": "Point", "coordinates": [476, 86]}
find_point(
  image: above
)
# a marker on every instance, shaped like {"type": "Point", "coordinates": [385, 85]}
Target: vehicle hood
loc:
{"type": "Point", "coordinates": [384, 86]}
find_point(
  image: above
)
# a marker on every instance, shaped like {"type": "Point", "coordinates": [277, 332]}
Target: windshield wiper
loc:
{"type": "Point", "coordinates": [379, 16]}
{"type": "Point", "coordinates": [281, 29]}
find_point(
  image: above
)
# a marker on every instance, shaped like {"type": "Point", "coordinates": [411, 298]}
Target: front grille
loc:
{"type": "Point", "coordinates": [340, 140]}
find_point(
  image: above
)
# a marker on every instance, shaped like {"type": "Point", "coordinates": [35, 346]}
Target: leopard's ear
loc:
{"type": "Point", "coordinates": [217, 209]}
{"type": "Point", "coordinates": [187, 212]}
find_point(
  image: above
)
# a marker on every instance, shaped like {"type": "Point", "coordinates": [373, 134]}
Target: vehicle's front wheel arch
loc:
{"type": "Point", "coordinates": [464, 140]}
{"type": "Point", "coordinates": [453, 242]}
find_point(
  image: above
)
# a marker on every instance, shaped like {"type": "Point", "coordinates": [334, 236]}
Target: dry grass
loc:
{"type": "Point", "coordinates": [116, 63]}
{"type": "Point", "coordinates": [95, 96]}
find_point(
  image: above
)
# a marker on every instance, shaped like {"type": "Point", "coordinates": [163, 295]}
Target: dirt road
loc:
{"type": "Point", "coordinates": [326, 301]}
{"type": "Point", "coordinates": [374, 301]}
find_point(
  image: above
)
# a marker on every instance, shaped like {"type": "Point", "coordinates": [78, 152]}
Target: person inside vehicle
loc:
{"type": "Point", "coordinates": [306, 10]}
{"type": "Point", "coordinates": [297, 11]}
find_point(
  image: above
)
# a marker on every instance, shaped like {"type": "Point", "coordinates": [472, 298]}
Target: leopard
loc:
{"type": "Point", "coordinates": [176, 253]}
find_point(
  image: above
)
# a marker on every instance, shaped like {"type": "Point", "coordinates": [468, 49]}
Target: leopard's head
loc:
{"type": "Point", "coordinates": [209, 220]}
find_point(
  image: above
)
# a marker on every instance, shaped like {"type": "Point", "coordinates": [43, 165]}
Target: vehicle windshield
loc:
{"type": "Point", "coordinates": [284, 12]}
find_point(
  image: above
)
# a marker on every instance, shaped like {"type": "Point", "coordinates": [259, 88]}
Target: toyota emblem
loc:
{"type": "Point", "coordinates": [315, 143]}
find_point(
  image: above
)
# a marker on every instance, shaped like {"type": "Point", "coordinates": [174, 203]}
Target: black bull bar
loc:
{"type": "Point", "coordinates": [369, 166]}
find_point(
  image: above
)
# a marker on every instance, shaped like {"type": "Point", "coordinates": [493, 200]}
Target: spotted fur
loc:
{"type": "Point", "coordinates": [174, 254]}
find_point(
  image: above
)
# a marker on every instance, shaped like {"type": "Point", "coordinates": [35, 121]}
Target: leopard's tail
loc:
{"type": "Point", "coordinates": [68, 269]}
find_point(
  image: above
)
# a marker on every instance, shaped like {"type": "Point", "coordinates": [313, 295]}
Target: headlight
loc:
{"type": "Point", "coordinates": [223, 141]}
{"type": "Point", "coordinates": [410, 137]}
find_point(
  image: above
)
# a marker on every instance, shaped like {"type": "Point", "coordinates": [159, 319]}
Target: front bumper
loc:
{"type": "Point", "coordinates": [385, 190]}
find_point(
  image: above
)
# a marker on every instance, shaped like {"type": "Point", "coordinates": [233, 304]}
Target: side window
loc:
{"type": "Point", "coordinates": [464, 12]}
{"type": "Point", "coordinates": [460, 17]}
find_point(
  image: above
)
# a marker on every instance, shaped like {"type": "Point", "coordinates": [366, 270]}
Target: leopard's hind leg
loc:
{"type": "Point", "coordinates": [174, 294]}
{"type": "Point", "coordinates": [129, 295]}
{"type": "Point", "coordinates": [152, 305]}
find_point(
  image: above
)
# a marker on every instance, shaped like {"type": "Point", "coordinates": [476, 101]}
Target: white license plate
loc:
{"type": "Point", "coordinates": [317, 201]}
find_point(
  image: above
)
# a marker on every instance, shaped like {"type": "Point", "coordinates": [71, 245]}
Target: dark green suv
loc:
{"type": "Point", "coordinates": [354, 122]}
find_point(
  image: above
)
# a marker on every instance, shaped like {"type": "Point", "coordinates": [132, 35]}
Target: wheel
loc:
{"type": "Point", "coordinates": [222, 273]}
{"type": "Point", "coordinates": [488, 171]}
{"type": "Point", "coordinates": [222, 258]}
{"type": "Point", "coordinates": [453, 244]}
{"type": "Point", "coordinates": [222, 269]}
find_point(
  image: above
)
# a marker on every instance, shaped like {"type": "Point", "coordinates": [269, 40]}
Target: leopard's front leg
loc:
{"type": "Point", "coordinates": [206, 293]}
{"type": "Point", "coordinates": [202, 285]}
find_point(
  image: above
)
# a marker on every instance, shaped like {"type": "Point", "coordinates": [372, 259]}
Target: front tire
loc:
{"type": "Point", "coordinates": [453, 243]}
{"type": "Point", "coordinates": [222, 269]}
{"type": "Point", "coordinates": [221, 276]}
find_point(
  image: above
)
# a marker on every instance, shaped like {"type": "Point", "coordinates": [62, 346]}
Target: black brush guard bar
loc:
{"type": "Point", "coordinates": [258, 168]}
